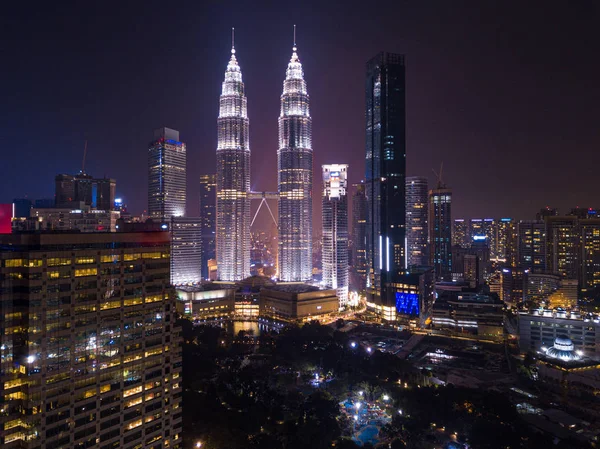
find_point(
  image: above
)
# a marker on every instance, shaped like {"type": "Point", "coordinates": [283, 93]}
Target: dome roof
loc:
{"type": "Point", "coordinates": [563, 349]}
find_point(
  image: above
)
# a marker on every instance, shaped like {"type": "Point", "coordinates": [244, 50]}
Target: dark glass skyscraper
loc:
{"type": "Point", "coordinates": [295, 176]}
{"type": "Point", "coordinates": [385, 173]}
{"type": "Point", "coordinates": [359, 236]}
{"type": "Point", "coordinates": [416, 221]}
{"type": "Point", "coordinates": [208, 214]}
{"type": "Point", "coordinates": [440, 232]}
{"type": "Point", "coordinates": [166, 175]}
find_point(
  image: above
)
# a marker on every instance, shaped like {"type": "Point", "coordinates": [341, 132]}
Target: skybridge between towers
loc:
{"type": "Point", "coordinates": [263, 197]}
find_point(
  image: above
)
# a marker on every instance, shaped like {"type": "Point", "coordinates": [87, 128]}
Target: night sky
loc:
{"type": "Point", "coordinates": [505, 93]}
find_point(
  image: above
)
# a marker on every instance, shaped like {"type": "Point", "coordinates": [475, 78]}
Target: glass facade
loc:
{"type": "Point", "coordinates": [532, 245]}
{"type": "Point", "coordinates": [90, 355]}
{"type": "Point", "coordinates": [295, 177]}
{"type": "Point", "coordinates": [359, 235]}
{"type": "Point", "coordinates": [335, 229]}
{"type": "Point", "coordinates": [233, 178]}
{"type": "Point", "coordinates": [385, 174]}
{"type": "Point", "coordinates": [186, 250]}
{"type": "Point", "coordinates": [440, 233]}
{"type": "Point", "coordinates": [166, 175]}
{"type": "Point", "coordinates": [460, 233]}
{"type": "Point", "coordinates": [416, 221]}
{"type": "Point", "coordinates": [208, 219]}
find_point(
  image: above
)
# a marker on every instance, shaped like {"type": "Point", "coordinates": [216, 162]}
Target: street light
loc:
{"type": "Point", "coordinates": [361, 393]}
{"type": "Point", "coordinates": [399, 412]}
{"type": "Point", "coordinates": [353, 344]}
{"type": "Point", "coordinates": [357, 405]}
{"type": "Point", "coordinates": [198, 444]}
{"type": "Point", "coordinates": [369, 349]}
{"type": "Point", "coordinates": [386, 397]}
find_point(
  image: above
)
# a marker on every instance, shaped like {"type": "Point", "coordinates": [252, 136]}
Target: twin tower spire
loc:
{"type": "Point", "coordinates": [294, 175]}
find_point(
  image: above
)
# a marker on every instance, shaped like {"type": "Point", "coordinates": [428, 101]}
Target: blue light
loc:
{"type": "Point", "coordinates": [407, 303]}
{"type": "Point", "coordinates": [164, 226]}
{"type": "Point", "coordinates": [479, 237]}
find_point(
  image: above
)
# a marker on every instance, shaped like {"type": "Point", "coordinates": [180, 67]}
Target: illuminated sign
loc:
{"type": "Point", "coordinates": [407, 303]}
{"type": "Point", "coordinates": [479, 237]}
{"type": "Point", "coordinates": [334, 174]}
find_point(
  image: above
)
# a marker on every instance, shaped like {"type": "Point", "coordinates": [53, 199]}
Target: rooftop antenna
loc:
{"type": "Point", "coordinates": [83, 162]}
{"type": "Point", "coordinates": [294, 37]}
{"type": "Point", "coordinates": [232, 40]}
{"type": "Point", "coordinates": [440, 179]}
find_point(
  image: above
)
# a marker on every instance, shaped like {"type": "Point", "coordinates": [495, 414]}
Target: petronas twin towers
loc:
{"type": "Point", "coordinates": [295, 177]}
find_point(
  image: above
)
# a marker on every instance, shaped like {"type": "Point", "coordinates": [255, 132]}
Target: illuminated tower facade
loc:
{"type": "Point", "coordinates": [335, 229]}
{"type": "Point", "coordinates": [440, 232]}
{"type": "Point", "coordinates": [295, 177]}
{"type": "Point", "coordinates": [233, 178]}
{"type": "Point", "coordinates": [416, 221]}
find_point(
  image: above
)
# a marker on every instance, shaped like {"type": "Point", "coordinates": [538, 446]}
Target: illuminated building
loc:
{"type": "Point", "coordinates": [297, 302]}
{"type": "Point", "coordinates": [590, 254]}
{"type": "Point", "coordinates": [440, 232]}
{"type": "Point", "coordinates": [206, 301]}
{"type": "Point", "coordinates": [90, 352]}
{"type": "Point", "coordinates": [565, 296]}
{"type": "Point", "coordinates": [562, 246]}
{"type": "Point", "coordinates": [83, 219]}
{"type": "Point", "coordinates": [186, 250]}
{"type": "Point", "coordinates": [504, 238]}
{"type": "Point", "coordinates": [166, 175]}
{"type": "Point", "coordinates": [295, 177]}
{"type": "Point", "coordinates": [233, 178]}
{"type": "Point", "coordinates": [359, 234]}
{"type": "Point", "coordinates": [514, 285]}
{"type": "Point", "coordinates": [460, 233]}
{"type": "Point", "coordinates": [471, 264]}
{"type": "Point", "coordinates": [531, 247]}
{"type": "Point", "coordinates": [485, 227]}
{"type": "Point", "coordinates": [208, 217]}
{"type": "Point", "coordinates": [385, 176]}
{"type": "Point", "coordinates": [335, 229]}
{"type": "Point", "coordinates": [416, 221]}
{"type": "Point", "coordinates": [71, 190]}
{"type": "Point", "coordinates": [540, 286]}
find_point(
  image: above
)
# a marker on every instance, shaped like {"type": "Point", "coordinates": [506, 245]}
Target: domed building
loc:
{"type": "Point", "coordinates": [564, 350]}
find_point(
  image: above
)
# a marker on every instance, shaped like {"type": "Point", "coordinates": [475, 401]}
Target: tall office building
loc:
{"type": "Point", "coordinates": [208, 220]}
{"type": "Point", "coordinates": [504, 238]}
{"type": "Point", "coordinates": [562, 245]}
{"type": "Point", "coordinates": [90, 352]}
{"type": "Point", "coordinates": [590, 254]}
{"type": "Point", "coordinates": [186, 250]}
{"type": "Point", "coordinates": [71, 190]}
{"type": "Point", "coordinates": [359, 234]}
{"type": "Point", "coordinates": [531, 246]}
{"type": "Point", "coordinates": [385, 177]}
{"type": "Point", "coordinates": [233, 178]}
{"type": "Point", "coordinates": [484, 229]}
{"type": "Point", "coordinates": [335, 229]}
{"type": "Point", "coordinates": [440, 232]}
{"type": "Point", "coordinates": [295, 177]}
{"type": "Point", "coordinates": [416, 221]}
{"type": "Point", "coordinates": [166, 175]}
{"type": "Point", "coordinates": [461, 233]}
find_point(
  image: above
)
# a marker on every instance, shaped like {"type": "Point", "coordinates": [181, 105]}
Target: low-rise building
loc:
{"type": "Point", "coordinates": [297, 302]}
{"type": "Point", "coordinates": [206, 301]}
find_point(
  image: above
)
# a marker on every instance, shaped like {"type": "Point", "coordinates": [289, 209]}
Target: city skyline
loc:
{"type": "Point", "coordinates": [83, 107]}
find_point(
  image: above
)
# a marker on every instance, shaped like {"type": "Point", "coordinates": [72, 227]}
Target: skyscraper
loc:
{"type": "Point", "coordinates": [166, 175]}
{"type": "Point", "coordinates": [484, 229]}
{"type": "Point", "coordinates": [186, 250]}
{"type": "Point", "coordinates": [335, 229]}
{"type": "Point", "coordinates": [72, 190]}
{"type": "Point", "coordinates": [461, 233]}
{"type": "Point", "coordinates": [359, 236]}
{"type": "Point", "coordinates": [295, 176]}
{"type": "Point", "coordinates": [590, 254]}
{"type": "Point", "coordinates": [504, 238]}
{"type": "Point", "coordinates": [531, 246]}
{"type": "Point", "coordinates": [385, 177]}
{"type": "Point", "coordinates": [416, 221]}
{"type": "Point", "coordinates": [208, 218]}
{"type": "Point", "coordinates": [440, 232]}
{"type": "Point", "coordinates": [233, 178]}
{"type": "Point", "coordinates": [562, 245]}
{"type": "Point", "coordinates": [97, 360]}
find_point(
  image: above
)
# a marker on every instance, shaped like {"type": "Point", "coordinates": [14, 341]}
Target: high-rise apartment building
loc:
{"type": "Point", "coordinates": [484, 228]}
{"type": "Point", "coordinates": [531, 247]}
{"type": "Point", "coordinates": [90, 353]}
{"type": "Point", "coordinates": [562, 246]}
{"type": "Point", "coordinates": [97, 193]}
{"type": "Point", "coordinates": [440, 232]}
{"type": "Point", "coordinates": [359, 234]}
{"type": "Point", "coordinates": [295, 177]}
{"type": "Point", "coordinates": [186, 250]}
{"type": "Point", "coordinates": [335, 229]}
{"type": "Point", "coordinates": [590, 254]}
{"type": "Point", "coordinates": [208, 220]}
{"type": "Point", "coordinates": [504, 237]}
{"type": "Point", "coordinates": [416, 221]}
{"type": "Point", "coordinates": [385, 176]}
{"type": "Point", "coordinates": [461, 233]}
{"type": "Point", "coordinates": [233, 177]}
{"type": "Point", "coordinates": [166, 175]}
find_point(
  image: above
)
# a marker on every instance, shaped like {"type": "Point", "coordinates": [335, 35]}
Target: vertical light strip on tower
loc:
{"type": "Point", "coordinates": [233, 177]}
{"type": "Point", "coordinates": [295, 176]}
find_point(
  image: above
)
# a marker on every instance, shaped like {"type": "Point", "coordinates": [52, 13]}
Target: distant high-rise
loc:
{"type": "Point", "coordinates": [416, 221]}
{"type": "Point", "coordinates": [208, 219]}
{"type": "Point", "coordinates": [590, 254]}
{"type": "Point", "coordinates": [71, 190]}
{"type": "Point", "coordinates": [359, 234]}
{"type": "Point", "coordinates": [186, 250]}
{"type": "Point", "coordinates": [440, 232]}
{"type": "Point", "coordinates": [91, 353]}
{"type": "Point", "coordinates": [504, 238]}
{"type": "Point", "coordinates": [385, 177]}
{"type": "Point", "coordinates": [295, 176]}
{"type": "Point", "coordinates": [531, 245]}
{"type": "Point", "coordinates": [484, 229]}
{"type": "Point", "coordinates": [166, 175]}
{"type": "Point", "coordinates": [461, 233]}
{"type": "Point", "coordinates": [22, 207]}
{"type": "Point", "coordinates": [335, 229]}
{"type": "Point", "coordinates": [233, 178]}
{"type": "Point", "coordinates": [562, 245]}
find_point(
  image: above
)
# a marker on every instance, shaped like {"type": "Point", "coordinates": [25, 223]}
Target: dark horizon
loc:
{"type": "Point", "coordinates": [499, 92]}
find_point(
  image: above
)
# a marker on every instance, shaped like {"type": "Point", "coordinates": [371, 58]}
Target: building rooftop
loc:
{"type": "Point", "coordinates": [294, 287]}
